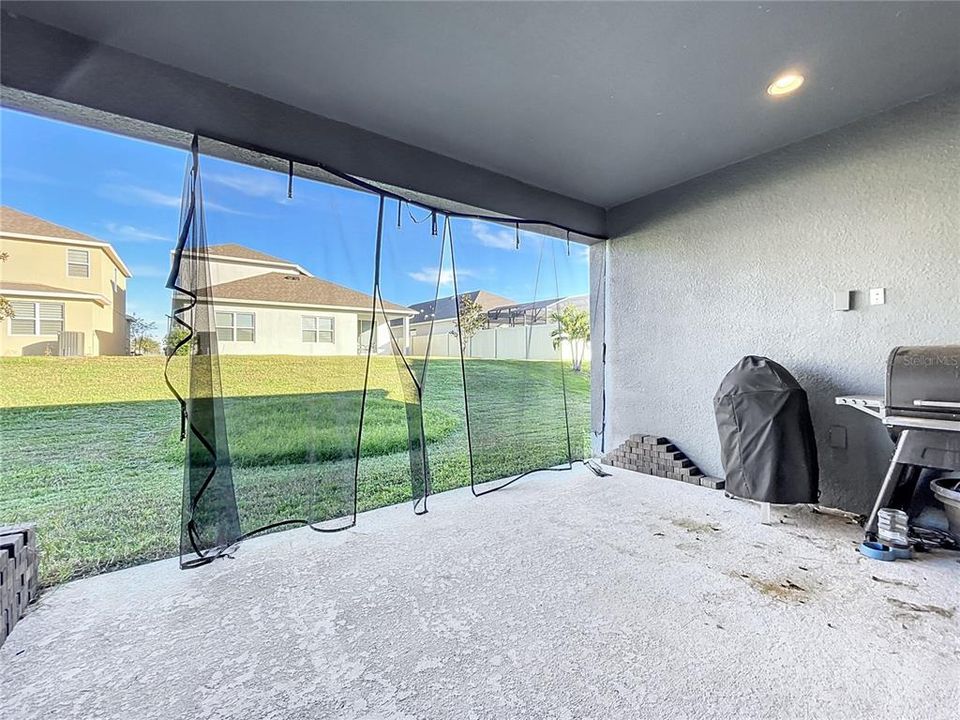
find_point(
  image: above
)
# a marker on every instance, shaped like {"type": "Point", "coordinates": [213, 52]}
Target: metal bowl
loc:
{"type": "Point", "coordinates": [943, 489]}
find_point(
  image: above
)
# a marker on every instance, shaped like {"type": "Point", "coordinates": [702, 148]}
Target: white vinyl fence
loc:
{"type": "Point", "coordinates": [532, 342]}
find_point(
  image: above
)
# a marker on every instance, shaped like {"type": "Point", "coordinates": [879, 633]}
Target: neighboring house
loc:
{"type": "Point", "coordinates": [443, 312]}
{"type": "Point", "coordinates": [501, 311]}
{"type": "Point", "coordinates": [68, 290]}
{"type": "Point", "coordinates": [514, 330]}
{"type": "Point", "coordinates": [265, 305]}
{"type": "Point", "coordinates": [533, 313]}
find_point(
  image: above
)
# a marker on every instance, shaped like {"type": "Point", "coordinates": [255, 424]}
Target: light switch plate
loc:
{"type": "Point", "coordinates": [878, 296]}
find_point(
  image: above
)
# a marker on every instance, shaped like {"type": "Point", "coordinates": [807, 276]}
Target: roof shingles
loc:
{"type": "Point", "coordinates": [295, 290]}
{"type": "Point", "coordinates": [14, 221]}
{"type": "Point", "coordinates": [239, 251]}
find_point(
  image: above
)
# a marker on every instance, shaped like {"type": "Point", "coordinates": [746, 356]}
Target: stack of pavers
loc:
{"type": "Point", "coordinates": [655, 455]}
{"type": "Point", "coordinates": [19, 583]}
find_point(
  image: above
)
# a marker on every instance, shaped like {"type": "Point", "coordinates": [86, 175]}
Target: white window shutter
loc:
{"type": "Point", "coordinates": [78, 263]}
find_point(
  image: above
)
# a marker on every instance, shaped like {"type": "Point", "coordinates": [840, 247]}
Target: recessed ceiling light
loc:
{"type": "Point", "coordinates": [785, 84]}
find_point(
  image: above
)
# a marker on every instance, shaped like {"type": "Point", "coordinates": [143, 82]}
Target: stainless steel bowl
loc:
{"type": "Point", "coordinates": [945, 491]}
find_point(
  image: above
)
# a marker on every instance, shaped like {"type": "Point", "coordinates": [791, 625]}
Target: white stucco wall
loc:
{"type": "Point", "coordinates": [746, 260]}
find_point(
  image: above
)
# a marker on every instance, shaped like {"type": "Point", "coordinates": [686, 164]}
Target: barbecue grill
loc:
{"type": "Point", "coordinates": [921, 407]}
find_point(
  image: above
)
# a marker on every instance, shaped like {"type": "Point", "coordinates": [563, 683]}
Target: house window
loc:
{"type": "Point", "coordinates": [32, 318]}
{"type": "Point", "coordinates": [78, 263]}
{"type": "Point", "coordinates": [236, 326]}
{"type": "Point", "coordinates": [316, 328]}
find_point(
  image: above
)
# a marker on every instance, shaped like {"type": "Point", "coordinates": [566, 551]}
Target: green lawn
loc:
{"type": "Point", "coordinates": [90, 446]}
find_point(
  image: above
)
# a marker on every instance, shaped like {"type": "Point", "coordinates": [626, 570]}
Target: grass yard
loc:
{"type": "Point", "coordinates": [90, 447]}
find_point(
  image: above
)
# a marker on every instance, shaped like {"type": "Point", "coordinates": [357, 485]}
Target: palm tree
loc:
{"type": "Point", "coordinates": [573, 326]}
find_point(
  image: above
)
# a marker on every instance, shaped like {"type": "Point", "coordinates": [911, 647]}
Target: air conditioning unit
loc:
{"type": "Point", "coordinates": [71, 344]}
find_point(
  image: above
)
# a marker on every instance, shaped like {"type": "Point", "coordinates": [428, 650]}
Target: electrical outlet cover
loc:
{"type": "Point", "coordinates": [841, 300]}
{"type": "Point", "coordinates": [878, 296]}
{"type": "Point", "coordinates": [838, 436]}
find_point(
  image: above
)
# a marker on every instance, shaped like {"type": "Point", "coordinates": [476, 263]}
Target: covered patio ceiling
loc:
{"type": "Point", "coordinates": [570, 596]}
{"type": "Point", "coordinates": [550, 111]}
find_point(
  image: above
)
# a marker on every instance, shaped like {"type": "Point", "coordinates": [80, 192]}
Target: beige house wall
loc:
{"type": "Point", "coordinates": [76, 313]}
{"type": "Point", "coordinates": [44, 262]}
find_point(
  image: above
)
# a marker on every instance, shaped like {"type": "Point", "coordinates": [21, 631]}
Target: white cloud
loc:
{"type": "Point", "coordinates": [18, 175]}
{"type": "Point", "coordinates": [129, 233]}
{"type": "Point", "coordinates": [429, 275]}
{"type": "Point", "coordinates": [136, 195]}
{"type": "Point", "coordinates": [502, 239]}
{"type": "Point", "coordinates": [258, 185]}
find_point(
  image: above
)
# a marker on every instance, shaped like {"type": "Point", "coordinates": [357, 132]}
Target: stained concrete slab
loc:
{"type": "Point", "coordinates": [565, 596]}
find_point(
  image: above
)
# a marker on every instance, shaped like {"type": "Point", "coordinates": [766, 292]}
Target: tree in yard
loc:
{"type": "Point", "coordinates": [149, 346]}
{"type": "Point", "coordinates": [6, 309]}
{"type": "Point", "coordinates": [140, 339]}
{"type": "Point", "coordinates": [173, 337]}
{"type": "Point", "coordinates": [573, 326]}
{"type": "Point", "coordinates": [472, 319]}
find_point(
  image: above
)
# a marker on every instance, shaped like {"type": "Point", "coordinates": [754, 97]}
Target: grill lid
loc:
{"type": "Point", "coordinates": [924, 381]}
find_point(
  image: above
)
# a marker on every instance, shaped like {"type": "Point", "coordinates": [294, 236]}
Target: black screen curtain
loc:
{"type": "Point", "coordinates": [480, 402]}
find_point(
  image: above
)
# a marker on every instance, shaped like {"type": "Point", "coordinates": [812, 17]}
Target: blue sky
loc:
{"type": "Point", "coordinates": [127, 192]}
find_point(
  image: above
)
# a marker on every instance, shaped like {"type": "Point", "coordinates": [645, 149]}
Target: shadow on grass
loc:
{"type": "Point", "coordinates": [104, 481]}
{"type": "Point", "coordinates": [293, 429]}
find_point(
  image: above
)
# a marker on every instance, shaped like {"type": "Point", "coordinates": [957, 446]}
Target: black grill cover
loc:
{"type": "Point", "coordinates": [767, 445]}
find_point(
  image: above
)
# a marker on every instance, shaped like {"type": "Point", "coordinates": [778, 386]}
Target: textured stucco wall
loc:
{"type": "Point", "coordinates": [746, 260]}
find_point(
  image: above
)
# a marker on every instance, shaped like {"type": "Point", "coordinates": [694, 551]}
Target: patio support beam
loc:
{"type": "Point", "coordinates": [46, 62]}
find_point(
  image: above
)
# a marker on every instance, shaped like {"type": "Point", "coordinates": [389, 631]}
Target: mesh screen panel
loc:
{"type": "Point", "coordinates": [368, 350]}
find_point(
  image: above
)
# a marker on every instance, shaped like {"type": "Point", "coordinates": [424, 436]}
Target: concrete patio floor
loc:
{"type": "Point", "coordinates": [565, 596]}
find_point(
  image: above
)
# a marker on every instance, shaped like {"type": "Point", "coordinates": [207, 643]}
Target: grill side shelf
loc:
{"type": "Point", "coordinates": [872, 405]}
